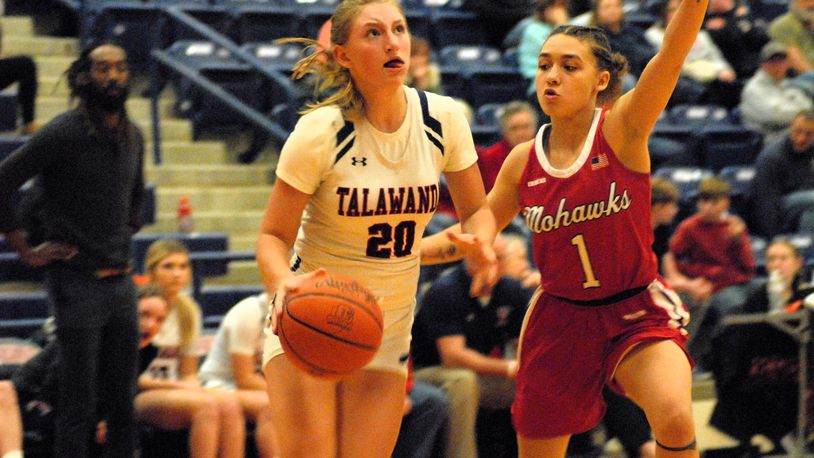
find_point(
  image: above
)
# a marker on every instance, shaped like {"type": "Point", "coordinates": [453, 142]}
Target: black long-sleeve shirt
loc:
{"type": "Point", "coordinates": [779, 170]}
{"type": "Point", "coordinates": [92, 183]}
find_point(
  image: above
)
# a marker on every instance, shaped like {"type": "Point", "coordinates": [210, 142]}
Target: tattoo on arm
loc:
{"type": "Point", "coordinates": [442, 253]}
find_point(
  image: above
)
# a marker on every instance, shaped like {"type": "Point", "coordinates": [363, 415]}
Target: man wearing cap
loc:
{"type": "Point", "coordinates": [769, 100]}
{"type": "Point", "coordinates": [794, 30]}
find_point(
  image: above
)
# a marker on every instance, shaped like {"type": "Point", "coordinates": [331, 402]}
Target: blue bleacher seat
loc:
{"type": "Point", "coordinates": [215, 16]}
{"type": "Point", "coordinates": [681, 133]}
{"type": "Point", "coordinates": [418, 20]}
{"type": "Point", "coordinates": [279, 57]}
{"type": "Point", "coordinates": [725, 144]}
{"type": "Point", "coordinates": [148, 210]}
{"type": "Point", "coordinates": [759, 245]}
{"type": "Point", "coordinates": [216, 300]}
{"type": "Point", "coordinates": [740, 179]}
{"type": "Point", "coordinates": [511, 58]}
{"type": "Point", "coordinates": [467, 57]}
{"type": "Point", "coordinates": [258, 22]}
{"type": "Point", "coordinates": [484, 135]}
{"type": "Point", "coordinates": [133, 25]}
{"type": "Point", "coordinates": [489, 114]}
{"type": "Point", "coordinates": [496, 85]}
{"type": "Point", "coordinates": [452, 26]}
{"type": "Point", "coordinates": [220, 67]}
{"type": "Point", "coordinates": [23, 305]}
{"type": "Point", "coordinates": [196, 241]}
{"type": "Point", "coordinates": [686, 180]}
{"type": "Point", "coordinates": [698, 116]}
{"type": "Point", "coordinates": [9, 143]}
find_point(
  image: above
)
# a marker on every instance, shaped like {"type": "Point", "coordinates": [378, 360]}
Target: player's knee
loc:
{"type": "Point", "coordinates": [674, 426]}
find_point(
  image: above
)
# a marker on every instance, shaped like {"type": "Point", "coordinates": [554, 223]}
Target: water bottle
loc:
{"type": "Point", "coordinates": [184, 216]}
{"type": "Point", "coordinates": [776, 288]}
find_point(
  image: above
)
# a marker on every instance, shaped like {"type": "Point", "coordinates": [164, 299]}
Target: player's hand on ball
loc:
{"type": "Point", "coordinates": [286, 286]}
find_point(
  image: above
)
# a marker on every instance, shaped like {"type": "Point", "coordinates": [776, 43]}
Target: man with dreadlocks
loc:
{"type": "Point", "coordinates": [88, 162]}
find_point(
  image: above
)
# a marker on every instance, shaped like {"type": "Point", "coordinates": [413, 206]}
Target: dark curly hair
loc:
{"type": "Point", "coordinates": [606, 59]}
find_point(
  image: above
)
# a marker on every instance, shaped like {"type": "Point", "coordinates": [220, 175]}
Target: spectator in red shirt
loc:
{"type": "Point", "coordinates": [518, 124]}
{"type": "Point", "coordinates": [709, 263]}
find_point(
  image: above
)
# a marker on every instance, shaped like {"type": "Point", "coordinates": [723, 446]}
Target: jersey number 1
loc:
{"type": "Point", "coordinates": [403, 237]}
{"type": "Point", "coordinates": [590, 279]}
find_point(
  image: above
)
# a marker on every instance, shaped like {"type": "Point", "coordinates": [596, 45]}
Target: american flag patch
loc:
{"type": "Point", "coordinates": [599, 161]}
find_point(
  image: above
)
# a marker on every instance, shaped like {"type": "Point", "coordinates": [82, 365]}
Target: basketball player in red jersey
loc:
{"type": "Point", "coordinates": [602, 314]}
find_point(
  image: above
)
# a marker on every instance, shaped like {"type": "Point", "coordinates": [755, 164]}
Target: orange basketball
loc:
{"type": "Point", "coordinates": [331, 326]}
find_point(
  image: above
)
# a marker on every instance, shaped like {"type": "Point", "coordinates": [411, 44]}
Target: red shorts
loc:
{"type": "Point", "coordinates": [569, 352]}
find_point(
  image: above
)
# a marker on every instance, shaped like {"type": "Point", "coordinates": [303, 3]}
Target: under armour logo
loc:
{"type": "Point", "coordinates": [355, 161]}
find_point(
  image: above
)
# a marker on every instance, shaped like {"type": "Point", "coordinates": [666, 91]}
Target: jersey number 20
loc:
{"type": "Point", "coordinates": [383, 236]}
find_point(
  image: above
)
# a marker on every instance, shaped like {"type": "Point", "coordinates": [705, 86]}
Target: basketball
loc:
{"type": "Point", "coordinates": [330, 326]}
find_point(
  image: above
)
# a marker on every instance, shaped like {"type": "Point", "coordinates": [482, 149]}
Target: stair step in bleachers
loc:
{"type": "Point", "coordinates": [14, 26]}
{"type": "Point", "coordinates": [53, 66]}
{"type": "Point", "coordinates": [181, 152]}
{"type": "Point", "coordinates": [171, 129]}
{"type": "Point", "coordinates": [137, 108]}
{"type": "Point", "coordinates": [40, 46]}
{"type": "Point", "coordinates": [222, 220]}
{"type": "Point", "coordinates": [216, 300]}
{"type": "Point", "coordinates": [209, 175]}
{"type": "Point", "coordinates": [214, 198]}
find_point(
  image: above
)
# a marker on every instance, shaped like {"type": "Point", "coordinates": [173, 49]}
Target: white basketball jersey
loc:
{"type": "Point", "coordinates": [372, 193]}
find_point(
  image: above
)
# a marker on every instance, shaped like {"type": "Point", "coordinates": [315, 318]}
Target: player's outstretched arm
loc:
{"type": "Point", "coordinates": [632, 117]}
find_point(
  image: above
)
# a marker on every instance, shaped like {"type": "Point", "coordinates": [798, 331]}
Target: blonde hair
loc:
{"type": "Point", "coordinates": [188, 309]}
{"type": "Point", "coordinates": [328, 74]}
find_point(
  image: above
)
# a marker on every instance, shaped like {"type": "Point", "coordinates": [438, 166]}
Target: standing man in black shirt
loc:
{"type": "Point", "coordinates": [88, 162]}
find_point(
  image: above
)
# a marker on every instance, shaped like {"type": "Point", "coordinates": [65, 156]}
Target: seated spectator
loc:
{"type": "Point", "coordinates": [232, 365]}
{"type": "Point", "coordinates": [426, 420]}
{"type": "Point", "coordinates": [424, 74]}
{"type": "Point", "coordinates": [705, 65]}
{"type": "Point", "coordinates": [624, 38]}
{"type": "Point", "coordinates": [547, 15]}
{"type": "Point", "coordinates": [21, 70]}
{"type": "Point", "coordinates": [782, 193]}
{"type": "Point", "coordinates": [738, 34]}
{"type": "Point", "coordinates": [709, 263]}
{"type": "Point", "coordinates": [28, 400]}
{"type": "Point", "coordinates": [756, 365]}
{"type": "Point", "coordinates": [794, 30]}
{"type": "Point", "coordinates": [518, 124]}
{"type": "Point", "coordinates": [663, 209]}
{"type": "Point", "coordinates": [770, 100]}
{"type": "Point", "coordinates": [465, 346]}
{"type": "Point", "coordinates": [172, 397]}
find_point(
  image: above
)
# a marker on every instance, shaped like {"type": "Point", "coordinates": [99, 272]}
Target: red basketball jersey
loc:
{"type": "Point", "coordinates": [590, 222]}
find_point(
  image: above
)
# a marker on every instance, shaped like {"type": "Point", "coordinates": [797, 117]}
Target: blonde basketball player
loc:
{"type": "Point", "coordinates": [357, 181]}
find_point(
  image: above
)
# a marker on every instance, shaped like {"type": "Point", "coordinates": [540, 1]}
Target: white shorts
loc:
{"type": "Point", "coordinates": [393, 353]}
